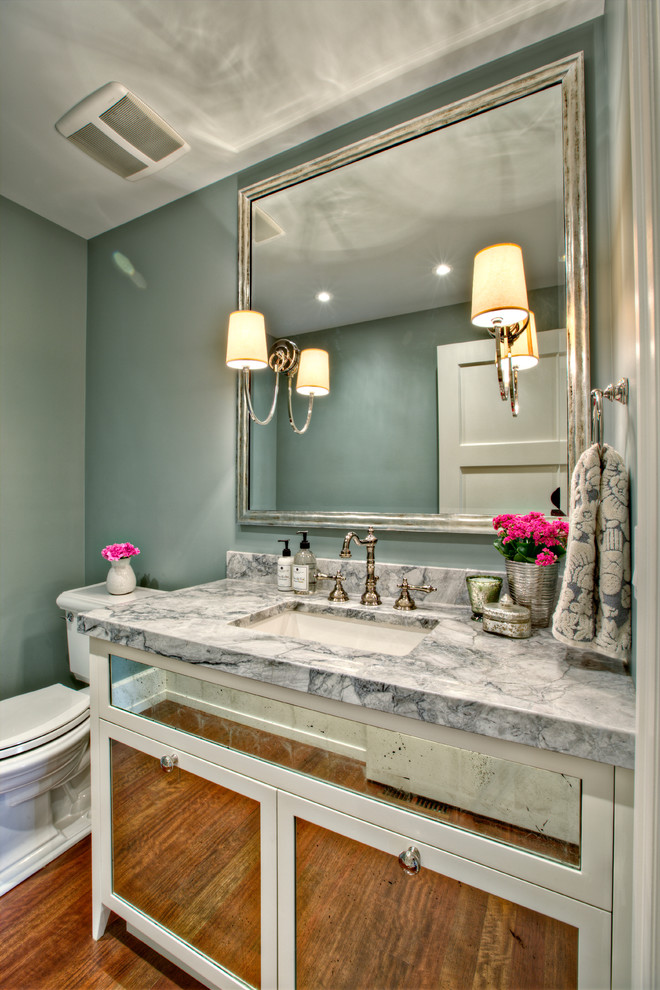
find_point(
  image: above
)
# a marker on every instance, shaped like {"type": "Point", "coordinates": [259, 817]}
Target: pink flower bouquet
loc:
{"type": "Point", "coordinates": [117, 551]}
{"type": "Point", "coordinates": [531, 539]}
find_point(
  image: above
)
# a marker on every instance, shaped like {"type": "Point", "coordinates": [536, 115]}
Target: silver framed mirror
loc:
{"type": "Point", "coordinates": [521, 145]}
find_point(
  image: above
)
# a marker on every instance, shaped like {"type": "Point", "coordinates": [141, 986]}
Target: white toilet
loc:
{"type": "Point", "coordinates": [44, 755]}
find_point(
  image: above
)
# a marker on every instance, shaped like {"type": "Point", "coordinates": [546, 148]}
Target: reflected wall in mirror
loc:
{"type": "Point", "coordinates": [414, 434]}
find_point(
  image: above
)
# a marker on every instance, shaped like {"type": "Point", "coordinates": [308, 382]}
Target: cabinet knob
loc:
{"type": "Point", "coordinates": [168, 763]}
{"type": "Point", "coordinates": [410, 860]}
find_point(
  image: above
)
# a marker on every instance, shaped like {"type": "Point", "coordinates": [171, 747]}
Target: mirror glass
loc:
{"type": "Point", "coordinates": [413, 433]}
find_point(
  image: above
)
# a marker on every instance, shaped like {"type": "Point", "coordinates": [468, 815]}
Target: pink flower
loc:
{"type": "Point", "coordinates": [501, 522]}
{"type": "Point", "coordinates": [118, 551]}
{"type": "Point", "coordinates": [531, 538]}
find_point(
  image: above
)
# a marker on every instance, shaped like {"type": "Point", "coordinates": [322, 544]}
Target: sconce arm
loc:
{"type": "Point", "coordinates": [246, 391]}
{"type": "Point", "coordinates": [502, 333]}
{"type": "Point", "coordinates": [309, 410]}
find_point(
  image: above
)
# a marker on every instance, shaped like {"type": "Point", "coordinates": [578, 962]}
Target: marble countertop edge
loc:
{"type": "Point", "coordinates": [593, 726]}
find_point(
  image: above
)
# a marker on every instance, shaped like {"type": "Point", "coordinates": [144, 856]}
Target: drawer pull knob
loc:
{"type": "Point", "coordinates": [410, 860]}
{"type": "Point", "coordinates": [168, 762]}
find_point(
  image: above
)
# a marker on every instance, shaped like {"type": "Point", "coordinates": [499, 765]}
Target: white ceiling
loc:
{"type": "Point", "coordinates": [372, 233]}
{"type": "Point", "coordinates": [240, 80]}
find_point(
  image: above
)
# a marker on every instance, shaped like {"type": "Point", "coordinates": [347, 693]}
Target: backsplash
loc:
{"type": "Point", "coordinates": [450, 581]}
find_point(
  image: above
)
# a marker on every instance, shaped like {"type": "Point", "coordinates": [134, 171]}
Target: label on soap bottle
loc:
{"type": "Point", "coordinates": [301, 577]}
{"type": "Point", "coordinates": [284, 576]}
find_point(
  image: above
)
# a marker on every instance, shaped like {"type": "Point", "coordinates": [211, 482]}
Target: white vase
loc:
{"type": "Point", "coordinates": [121, 578]}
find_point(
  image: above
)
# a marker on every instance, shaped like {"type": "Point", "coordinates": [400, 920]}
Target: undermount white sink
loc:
{"type": "Point", "coordinates": [338, 630]}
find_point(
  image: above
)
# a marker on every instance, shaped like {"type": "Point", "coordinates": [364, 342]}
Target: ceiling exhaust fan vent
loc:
{"type": "Point", "coordinates": [121, 132]}
{"type": "Point", "coordinates": [104, 150]}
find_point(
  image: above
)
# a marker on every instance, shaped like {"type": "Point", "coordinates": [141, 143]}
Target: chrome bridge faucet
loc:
{"type": "Point", "coordinates": [370, 596]}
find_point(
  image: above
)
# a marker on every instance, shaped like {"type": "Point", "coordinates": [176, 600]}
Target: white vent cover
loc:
{"type": "Point", "coordinates": [264, 228]}
{"type": "Point", "coordinates": [121, 132]}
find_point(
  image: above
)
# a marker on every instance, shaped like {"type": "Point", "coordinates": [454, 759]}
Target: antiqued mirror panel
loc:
{"type": "Point", "coordinates": [529, 808]}
{"type": "Point", "coordinates": [344, 254]}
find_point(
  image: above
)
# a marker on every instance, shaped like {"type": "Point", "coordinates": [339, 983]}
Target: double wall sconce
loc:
{"type": "Point", "coordinates": [499, 303]}
{"type": "Point", "coordinates": [247, 351]}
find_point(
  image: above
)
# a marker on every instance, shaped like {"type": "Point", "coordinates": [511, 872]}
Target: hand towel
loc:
{"type": "Point", "coordinates": [594, 608]}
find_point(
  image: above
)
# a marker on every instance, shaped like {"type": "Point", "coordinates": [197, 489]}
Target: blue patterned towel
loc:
{"type": "Point", "coordinates": [594, 608]}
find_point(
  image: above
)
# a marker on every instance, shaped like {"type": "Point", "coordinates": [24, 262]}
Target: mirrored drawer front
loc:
{"type": "Point", "coordinates": [534, 809]}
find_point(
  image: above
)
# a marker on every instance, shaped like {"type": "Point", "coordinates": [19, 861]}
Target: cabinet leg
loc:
{"type": "Point", "coordinates": [100, 915]}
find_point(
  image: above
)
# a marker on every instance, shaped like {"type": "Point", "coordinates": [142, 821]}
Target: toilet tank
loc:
{"type": "Point", "coordinates": [84, 600]}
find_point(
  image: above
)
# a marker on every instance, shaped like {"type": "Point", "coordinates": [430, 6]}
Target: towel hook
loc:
{"type": "Point", "coordinates": [615, 393]}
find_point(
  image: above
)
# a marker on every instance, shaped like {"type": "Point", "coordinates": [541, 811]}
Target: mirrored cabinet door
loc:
{"type": "Point", "coordinates": [372, 909]}
{"type": "Point", "coordinates": [186, 852]}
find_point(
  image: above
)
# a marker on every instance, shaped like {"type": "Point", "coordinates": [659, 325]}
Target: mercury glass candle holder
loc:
{"type": "Point", "coordinates": [482, 589]}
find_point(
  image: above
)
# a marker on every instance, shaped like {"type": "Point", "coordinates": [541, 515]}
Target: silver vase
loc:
{"type": "Point", "coordinates": [535, 587]}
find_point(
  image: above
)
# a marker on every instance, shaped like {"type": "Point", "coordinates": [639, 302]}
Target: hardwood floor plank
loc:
{"type": "Point", "coordinates": [45, 932]}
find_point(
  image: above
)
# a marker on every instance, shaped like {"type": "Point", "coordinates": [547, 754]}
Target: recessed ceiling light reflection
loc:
{"type": "Point", "coordinates": [442, 269]}
{"type": "Point", "coordinates": [323, 296]}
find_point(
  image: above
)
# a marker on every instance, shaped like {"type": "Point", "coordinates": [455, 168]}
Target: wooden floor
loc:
{"type": "Point", "coordinates": [46, 942]}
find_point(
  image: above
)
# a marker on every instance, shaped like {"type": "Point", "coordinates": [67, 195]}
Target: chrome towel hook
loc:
{"type": "Point", "coordinates": [615, 393]}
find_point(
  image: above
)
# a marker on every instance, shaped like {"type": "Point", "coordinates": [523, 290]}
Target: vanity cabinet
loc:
{"type": "Point", "coordinates": [263, 837]}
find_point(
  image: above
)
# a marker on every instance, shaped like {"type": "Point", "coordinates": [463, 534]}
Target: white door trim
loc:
{"type": "Point", "coordinates": [644, 59]}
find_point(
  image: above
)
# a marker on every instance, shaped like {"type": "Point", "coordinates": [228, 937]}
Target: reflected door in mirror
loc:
{"type": "Point", "coordinates": [489, 462]}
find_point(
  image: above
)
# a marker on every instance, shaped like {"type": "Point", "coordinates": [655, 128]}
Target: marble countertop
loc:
{"type": "Point", "coordinates": [534, 691]}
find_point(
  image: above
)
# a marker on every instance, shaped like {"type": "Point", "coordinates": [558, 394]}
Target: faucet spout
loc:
{"type": "Point", "coordinates": [370, 596]}
{"type": "Point", "coordinates": [346, 548]}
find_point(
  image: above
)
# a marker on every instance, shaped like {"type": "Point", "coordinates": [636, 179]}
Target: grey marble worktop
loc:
{"type": "Point", "coordinates": [534, 691]}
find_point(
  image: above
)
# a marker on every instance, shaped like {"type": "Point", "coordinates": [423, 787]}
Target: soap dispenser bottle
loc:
{"type": "Point", "coordinates": [304, 568]}
{"type": "Point", "coordinates": [285, 568]}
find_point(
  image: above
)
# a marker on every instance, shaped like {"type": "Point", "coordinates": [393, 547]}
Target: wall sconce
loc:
{"type": "Point", "coordinates": [247, 351]}
{"type": "Point", "coordinates": [499, 303]}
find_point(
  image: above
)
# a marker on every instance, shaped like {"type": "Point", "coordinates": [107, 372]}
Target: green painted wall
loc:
{"type": "Point", "coordinates": [365, 454]}
{"type": "Point", "coordinates": [42, 406]}
{"type": "Point", "coordinates": [160, 400]}
{"type": "Point", "coordinates": [160, 406]}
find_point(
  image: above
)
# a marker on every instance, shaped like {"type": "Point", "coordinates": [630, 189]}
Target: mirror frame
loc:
{"type": "Point", "coordinates": [569, 73]}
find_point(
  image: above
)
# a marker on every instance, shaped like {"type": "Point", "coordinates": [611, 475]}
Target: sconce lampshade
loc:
{"type": "Point", "coordinates": [313, 372]}
{"type": "Point", "coordinates": [525, 348]}
{"type": "Point", "coordinates": [524, 351]}
{"type": "Point", "coordinates": [246, 340]}
{"type": "Point", "coordinates": [499, 291]}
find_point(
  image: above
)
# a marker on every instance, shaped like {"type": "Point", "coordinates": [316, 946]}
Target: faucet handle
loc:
{"type": "Point", "coordinates": [337, 594]}
{"type": "Point", "coordinates": [404, 601]}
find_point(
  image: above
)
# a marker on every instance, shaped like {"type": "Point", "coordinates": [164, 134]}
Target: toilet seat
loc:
{"type": "Point", "coordinates": [36, 718]}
